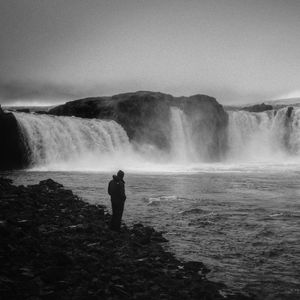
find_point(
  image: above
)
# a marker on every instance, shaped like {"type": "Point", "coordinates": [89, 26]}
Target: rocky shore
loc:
{"type": "Point", "coordinates": [56, 246]}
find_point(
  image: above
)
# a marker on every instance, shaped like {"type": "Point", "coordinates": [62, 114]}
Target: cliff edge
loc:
{"type": "Point", "coordinates": [146, 117]}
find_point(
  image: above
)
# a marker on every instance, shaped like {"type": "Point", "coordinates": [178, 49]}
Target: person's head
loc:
{"type": "Point", "coordinates": [120, 174]}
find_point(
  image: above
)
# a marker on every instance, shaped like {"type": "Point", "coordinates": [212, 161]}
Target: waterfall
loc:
{"type": "Point", "coordinates": [56, 140]}
{"type": "Point", "coordinates": [70, 143]}
{"type": "Point", "coordinates": [265, 136]}
{"type": "Point", "coordinates": [182, 145]}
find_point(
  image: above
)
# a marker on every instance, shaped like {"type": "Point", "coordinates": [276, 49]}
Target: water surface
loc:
{"type": "Point", "coordinates": [243, 224]}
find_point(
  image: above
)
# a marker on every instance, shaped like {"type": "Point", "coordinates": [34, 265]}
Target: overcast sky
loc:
{"type": "Point", "coordinates": [238, 51]}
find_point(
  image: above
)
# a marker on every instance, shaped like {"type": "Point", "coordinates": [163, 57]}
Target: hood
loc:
{"type": "Point", "coordinates": [118, 179]}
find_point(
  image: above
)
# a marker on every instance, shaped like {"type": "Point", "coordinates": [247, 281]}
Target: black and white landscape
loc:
{"type": "Point", "coordinates": [212, 177]}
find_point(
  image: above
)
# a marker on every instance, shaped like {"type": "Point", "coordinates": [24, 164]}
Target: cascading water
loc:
{"type": "Point", "coordinates": [266, 136]}
{"type": "Point", "coordinates": [182, 146]}
{"type": "Point", "coordinates": [60, 141]}
{"type": "Point", "coordinates": [69, 143]}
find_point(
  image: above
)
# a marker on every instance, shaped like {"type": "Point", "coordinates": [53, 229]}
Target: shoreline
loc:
{"type": "Point", "coordinates": [56, 246]}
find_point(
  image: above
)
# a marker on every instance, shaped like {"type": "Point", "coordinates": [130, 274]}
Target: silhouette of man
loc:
{"type": "Point", "coordinates": [116, 190]}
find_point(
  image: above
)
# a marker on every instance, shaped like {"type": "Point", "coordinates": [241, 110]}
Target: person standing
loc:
{"type": "Point", "coordinates": [116, 190]}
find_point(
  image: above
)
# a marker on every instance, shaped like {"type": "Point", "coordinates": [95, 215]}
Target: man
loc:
{"type": "Point", "coordinates": [116, 190]}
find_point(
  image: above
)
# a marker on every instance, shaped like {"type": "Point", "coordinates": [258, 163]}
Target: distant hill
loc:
{"type": "Point", "coordinates": [27, 108]}
{"type": "Point", "coordinates": [264, 105]}
{"type": "Point", "coordinates": [284, 102]}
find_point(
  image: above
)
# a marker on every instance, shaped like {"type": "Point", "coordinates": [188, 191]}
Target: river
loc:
{"type": "Point", "coordinates": [242, 222]}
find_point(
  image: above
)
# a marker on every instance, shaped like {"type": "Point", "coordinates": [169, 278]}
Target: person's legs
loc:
{"type": "Point", "coordinates": [120, 214]}
{"type": "Point", "coordinates": [113, 217]}
{"type": "Point", "coordinates": [117, 212]}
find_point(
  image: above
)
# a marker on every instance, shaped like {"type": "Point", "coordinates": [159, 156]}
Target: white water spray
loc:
{"type": "Point", "coordinates": [59, 141]}
{"type": "Point", "coordinates": [69, 143]}
{"type": "Point", "coordinates": [182, 146]}
{"type": "Point", "coordinates": [266, 136]}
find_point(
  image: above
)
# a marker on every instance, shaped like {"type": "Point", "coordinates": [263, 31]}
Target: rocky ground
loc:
{"type": "Point", "coordinates": [56, 246]}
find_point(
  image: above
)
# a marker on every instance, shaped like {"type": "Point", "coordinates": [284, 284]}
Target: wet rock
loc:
{"type": "Point", "coordinates": [4, 230]}
{"type": "Point", "coordinates": [51, 184]}
{"type": "Point", "coordinates": [62, 259]}
{"type": "Point", "coordinates": [53, 274]}
{"type": "Point", "coordinates": [289, 111]}
{"type": "Point", "coordinates": [195, 266]}
{"type": "Point", "coordinates": [13, 149]}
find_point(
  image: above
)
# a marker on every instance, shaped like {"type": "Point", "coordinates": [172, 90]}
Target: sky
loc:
{"type": "Point", "coordinates": [238, 51]}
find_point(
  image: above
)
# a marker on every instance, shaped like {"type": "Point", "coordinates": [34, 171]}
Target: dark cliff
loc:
{"type": "Point", "coordinates": [209, 124]}
{"type": "Point", "coordinates": [258, 107]}
{"type": "Point", "coordinates": [13, 153]}
{"type": "Point", "coordinates": [146, 117]}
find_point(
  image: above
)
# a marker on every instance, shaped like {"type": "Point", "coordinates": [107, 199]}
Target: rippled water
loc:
{"type": "Point", "coordinates": [244, 225]}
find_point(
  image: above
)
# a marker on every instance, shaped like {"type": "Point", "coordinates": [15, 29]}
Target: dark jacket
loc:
{"type": "Point", "coordinates": [116, 189]}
